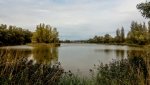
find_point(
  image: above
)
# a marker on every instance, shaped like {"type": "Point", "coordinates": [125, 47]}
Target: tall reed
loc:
{"type": "Point", "coordinates": [16, 70]}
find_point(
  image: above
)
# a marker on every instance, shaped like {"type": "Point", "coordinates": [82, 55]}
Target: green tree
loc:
{"type": "Point", "coordinates": [45, 34]}
{"type": "Point", "coordinates": [144, 9]}
{"type": "Point", "coordinates": [122, 35]}
{"type": "Point", "coordinates": [138, 34]}
{"type": "Point", "coordinates": [12, 35]}
{"type": "Point", "coordinates": [149, 27]}
{"type": "Point", "coordinates": [118, 36]}
{"type": "Point", "coordinates": [107, 38]}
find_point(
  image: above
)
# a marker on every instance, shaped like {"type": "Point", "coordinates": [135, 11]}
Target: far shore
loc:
{"type": "Point", "coordinates": [59, 44]}
{"type": "Point", "coordinates": [45, 44]}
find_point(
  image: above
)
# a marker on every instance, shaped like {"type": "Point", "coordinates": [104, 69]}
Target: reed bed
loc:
{"type": "Point", "coordinates": [16, 70]}
{"type": "Point", "coordinates": [122, 72]}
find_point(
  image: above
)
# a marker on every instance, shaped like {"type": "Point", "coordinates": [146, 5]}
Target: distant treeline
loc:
{"type": "Point", "coordinates": [12, 35]}
{"type": "Point", "coordinates": [138, 34]}
{"type": "Point", "coordinates": [73, 41]}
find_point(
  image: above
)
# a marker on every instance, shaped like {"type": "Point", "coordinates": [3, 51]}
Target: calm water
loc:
{"type": "Point", "coordinates": [74, 57]}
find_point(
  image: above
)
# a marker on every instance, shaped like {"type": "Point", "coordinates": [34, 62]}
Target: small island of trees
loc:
{"type": "Point", "coordinates": [45, 34]}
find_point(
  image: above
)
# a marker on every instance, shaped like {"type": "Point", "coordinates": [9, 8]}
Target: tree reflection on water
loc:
{"type": "Point", "coordinates": [38, 55]}
{"type": "Point", "coordinates": [44, 55]}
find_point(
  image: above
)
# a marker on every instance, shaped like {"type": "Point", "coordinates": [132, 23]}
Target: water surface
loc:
{"type": "Point", "coordinates": [74, 57]}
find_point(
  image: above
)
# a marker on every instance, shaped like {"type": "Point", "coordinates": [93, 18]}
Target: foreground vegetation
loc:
{"type": "Point", "coordinates": [17, 70]}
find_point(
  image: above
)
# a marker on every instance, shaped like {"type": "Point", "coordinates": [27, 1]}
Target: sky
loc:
{"type": "Point", "coordinates": [74, 19]}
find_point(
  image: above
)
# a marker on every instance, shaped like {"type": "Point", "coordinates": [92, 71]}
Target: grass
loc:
{"type": "Point", "coordinates": [72, 79]}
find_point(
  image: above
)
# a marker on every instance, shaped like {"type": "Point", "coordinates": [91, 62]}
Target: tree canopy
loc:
{"type": "Point", "coordinates": [12, 35]}
{"type": "Point", "coordinates": [138, 34]}
{"type": "Point", "coordinates": [45, 34]}
{"type": "Point", "coordinates": [144, 9]}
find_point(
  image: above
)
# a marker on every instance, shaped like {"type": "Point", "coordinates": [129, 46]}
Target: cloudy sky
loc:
{"type": "Point", "coordinates": [74, 19]}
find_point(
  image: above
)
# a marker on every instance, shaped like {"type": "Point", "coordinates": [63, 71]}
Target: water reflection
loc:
{"type": "Point", "coordinates": [120, 53]}
{"type": "Point", "coordinates": [13, 56]}
{"type": "Point", "coordinates": [15, 68]}
{"type": "Point", "coordinates": [44, 55]}
{"type": "Point", "coordinates": [108, 51]}
{"type": "Point", "coordinates": [37, 55]}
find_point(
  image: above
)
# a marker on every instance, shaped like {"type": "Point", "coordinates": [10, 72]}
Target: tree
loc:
{"type": "Point", "coordinates": [149, 27]}
{"type": "Point", "coordinates": [118, 34]}
{"type": "Point", "coordinates": [12, 35]}
{"type": "Point", "coordinates": [107, 38]}
{"type": "Point", "coordinates": [144, 9]}
{"type": "Point", "coordinates": [122, 35]}
{"type": "Point", "coordinates": [149, 31]}
{"type": "Point", "coordinates": [45, 34]}
{"type": "Point", "coordinates": [138, 34]}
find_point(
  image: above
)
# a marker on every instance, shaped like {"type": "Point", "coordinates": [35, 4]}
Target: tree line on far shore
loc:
{"type": "Point", "coordinates": [12, 35]}
{"type": "Point", "coordinates": [138, 34]}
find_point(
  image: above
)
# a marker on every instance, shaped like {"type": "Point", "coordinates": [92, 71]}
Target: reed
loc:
{"type": "Point", "coordinates": [123, 72]}
{"type": "Point", "coordinates": [15, 70]}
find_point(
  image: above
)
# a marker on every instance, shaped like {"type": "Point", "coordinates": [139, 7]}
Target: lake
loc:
{"type": "Point", "coordinates": [74, 57]}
